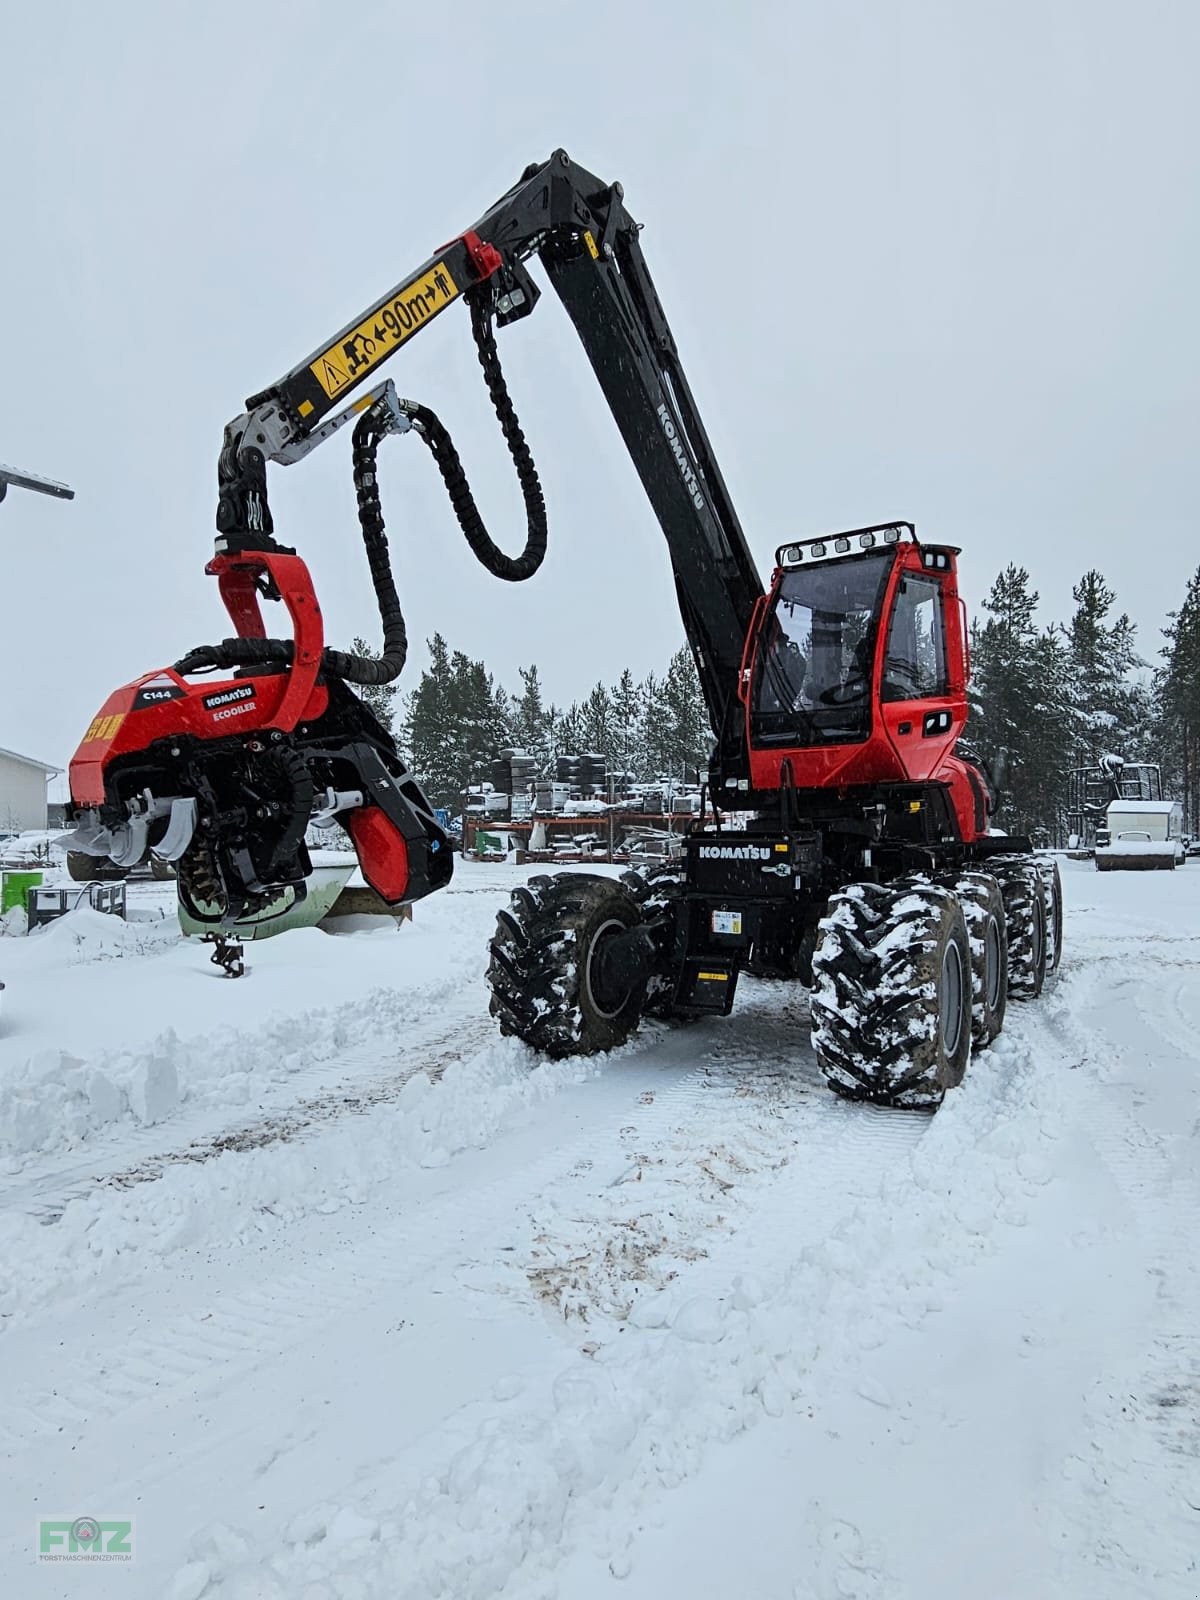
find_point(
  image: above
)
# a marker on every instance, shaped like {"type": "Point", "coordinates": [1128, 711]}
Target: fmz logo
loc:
{"type": "Point", "coordinates": [84, 1539]}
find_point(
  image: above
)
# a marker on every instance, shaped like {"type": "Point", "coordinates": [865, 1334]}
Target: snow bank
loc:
{"type": "Point", "coordinates": [109, 1022]}
{"type": "Point", "coordinates": [240, 1196]}
{"type": "Point", "coordinates": [55, 1098]}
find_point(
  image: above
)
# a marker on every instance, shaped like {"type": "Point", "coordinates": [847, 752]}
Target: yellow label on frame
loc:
{"type": "Point", "coordinates": [384, 330]}
{"type": "Point", "coordinates": [104, 727]}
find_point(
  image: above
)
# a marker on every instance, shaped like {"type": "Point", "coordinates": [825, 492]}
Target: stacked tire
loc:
{"type": "Point", "coordinates": [512, 773]}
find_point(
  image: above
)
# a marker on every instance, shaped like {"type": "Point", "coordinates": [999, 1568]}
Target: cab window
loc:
{"type": "Point", "coordinates": [914, 664]}
{"type": "Point", "coordinates": [816, 652]}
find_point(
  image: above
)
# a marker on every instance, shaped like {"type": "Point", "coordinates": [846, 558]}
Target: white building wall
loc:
{"type": "Point", "coordinates": [22, 795]}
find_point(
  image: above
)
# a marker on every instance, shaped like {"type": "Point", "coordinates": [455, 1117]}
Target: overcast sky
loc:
{"type": "Point", "coordinates": [934, 259]}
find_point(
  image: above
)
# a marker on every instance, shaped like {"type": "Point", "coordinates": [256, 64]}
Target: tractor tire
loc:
{"type": "Point", "coordinates": [1025, 919]}
{"type": "Point", "coordinates": [891, 998]}
{"type": "Point", "coordinates": [548, 987]}
{"type": "Point", "coordinates": [654, 890]}
{"type": "Point", "coordinates": [983, 910]}
{"type": "Point", "coordinates": [1053, 897]}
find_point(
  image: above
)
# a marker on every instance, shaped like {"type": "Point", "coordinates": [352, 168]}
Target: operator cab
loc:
{"type": "Point", "coordinates": [859, 647]}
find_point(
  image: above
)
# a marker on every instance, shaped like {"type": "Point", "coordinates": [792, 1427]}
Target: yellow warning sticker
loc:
{"type": "Point", "coordinates": [591, 244]}
{"type": "Point", "coordinates": [713, 977]}
{"type": "Point", "coordinates": [104, 727]}
{"type": "Point", "coordinates": [379, 334]}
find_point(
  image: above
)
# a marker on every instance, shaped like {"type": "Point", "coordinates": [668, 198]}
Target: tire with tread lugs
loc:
{"type": "Point", "coordinates": [983, 911]}
{"type": "Point", "coordinates": [548, 987]}
{"type": "Point", "coordinates": [655, 889]}
{"type": "Point", "coordinates": [1052, 895]}
{"type": "Point", "coordinates": [1025, 918]}
{"type": "Point", "coordinates": [891, 998]}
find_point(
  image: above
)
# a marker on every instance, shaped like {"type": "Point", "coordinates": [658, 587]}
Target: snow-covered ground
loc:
{"type": "Point", "coordinates": [339, 1296]}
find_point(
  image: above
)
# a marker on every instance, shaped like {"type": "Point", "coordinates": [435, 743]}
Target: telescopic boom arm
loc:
{"type": "Point", "coordinates": [30, 480]}
{"type": "Point", "coordinates": [588, 245]}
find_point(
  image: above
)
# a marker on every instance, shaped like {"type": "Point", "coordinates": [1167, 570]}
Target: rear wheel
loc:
{"type": "Point", "coordinates": [1052, 896]}
{"type": "Point", "coordinates": [891, 999]}
{"type": "Point", "coordinates": [983, 910]}
{"type": "Point", "coordinates": [564, 975]}
{"type": "Point", "coordinates": [1025, 918]}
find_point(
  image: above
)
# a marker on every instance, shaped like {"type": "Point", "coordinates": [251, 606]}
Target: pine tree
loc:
{"type": "Point", "coordinates": [653, 730]}
{"type": "Point", "coordinates": [1177, 686]}
{"type": "Point", "coordinates": [595, 716]}
{"type": "Point", "coordinates": [428, 732]}
{"type": "Point", "coordinates": [688, 737]}
{"type": "Point", "coordinates": [569, 736]}
{"type": "Point", "coordinates": [1104, 660]}
{"type": "Point", "coordinates": [381, 697]}
{"type": "Point", "coordinates": [533, 722]}
{"type": "Point", "coordinates": [457, 720]}
{"type": "Point", "coordinates": [626, 711]}
{"type": "Point", "coordinates": [1021, 705]}
{"type": "Point", "coordinates": [1042, 779]}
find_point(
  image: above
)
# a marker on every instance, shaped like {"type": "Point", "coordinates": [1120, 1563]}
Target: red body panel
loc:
{"type": "Point", "coordinates": [382, 853]}
{"type": "Point", "coordinates": [161, 704]}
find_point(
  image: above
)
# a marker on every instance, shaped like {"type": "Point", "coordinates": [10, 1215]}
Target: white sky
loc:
{"type": "Point", "coordinates": [925, 259]}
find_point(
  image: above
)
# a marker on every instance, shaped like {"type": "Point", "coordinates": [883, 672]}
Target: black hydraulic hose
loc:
{"type": "Point", "coordinates": [388, 666]}
{"type": "Point", "coordinates": [368, 432]}
{"type": "Point", "coordinates": [513, 568]}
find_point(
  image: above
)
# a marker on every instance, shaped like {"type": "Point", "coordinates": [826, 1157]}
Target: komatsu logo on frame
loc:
{"type": "Point", "coordinates": [685, 466]}
{"type": "Point", "coordinates": [734, 852]}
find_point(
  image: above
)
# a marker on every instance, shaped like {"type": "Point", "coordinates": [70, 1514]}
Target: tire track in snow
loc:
{"type": "Point", "coordinates": [379, 1074]}
{"type": "Point", "coordinates": [1144, 1415]}
{"type": "Point", "coordinates": [202, 1351]}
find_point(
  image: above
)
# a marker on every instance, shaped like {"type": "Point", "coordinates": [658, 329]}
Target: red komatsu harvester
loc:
{"type": "Point", "coordinates": [847, 839]}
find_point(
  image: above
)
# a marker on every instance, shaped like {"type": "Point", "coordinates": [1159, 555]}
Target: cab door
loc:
{"type": "Point", "coordinates": [922, 691]}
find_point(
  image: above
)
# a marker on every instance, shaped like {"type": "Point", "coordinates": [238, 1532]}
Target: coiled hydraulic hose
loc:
{"type": "Point", "coordinates": [370, 429]}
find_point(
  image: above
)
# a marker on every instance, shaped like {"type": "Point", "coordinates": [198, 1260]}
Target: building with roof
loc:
{"type": "Point", "coordinates": [23, 782]}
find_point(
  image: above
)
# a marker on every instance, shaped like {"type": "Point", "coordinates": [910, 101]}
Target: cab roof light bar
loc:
{"type": "Point", "coordinates": [853, 541]}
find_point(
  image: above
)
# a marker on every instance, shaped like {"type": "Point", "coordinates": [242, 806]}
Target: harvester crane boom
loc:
{"type": "Point", "coordinates": [31, 480]}
{"type": "Point", "coordinates": [588, 244]}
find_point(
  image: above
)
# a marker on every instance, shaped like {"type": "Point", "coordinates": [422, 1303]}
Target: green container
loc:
{"type": "Point", "coordinates": [14, 887]}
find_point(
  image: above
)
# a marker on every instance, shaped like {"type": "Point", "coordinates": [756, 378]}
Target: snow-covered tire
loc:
{"type": "Point", "coordinates": [891, 998]}
{"type": "Point", "coordinates": [547, 984]}
{"type": "Point", "coordinates": [1025, 919]}
{"type": "Point", "coordinates": [1052, 896]}
{"type": "Point", "coordinates": [983, 911]}
{"type": "Point", "coordinates": [655, 889]}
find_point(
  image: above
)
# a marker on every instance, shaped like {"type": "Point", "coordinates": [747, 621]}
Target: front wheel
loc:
{"type": "Point", "coordinates": [892, 991]}
{"type": "Point", "coordinates": [569, 964]}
